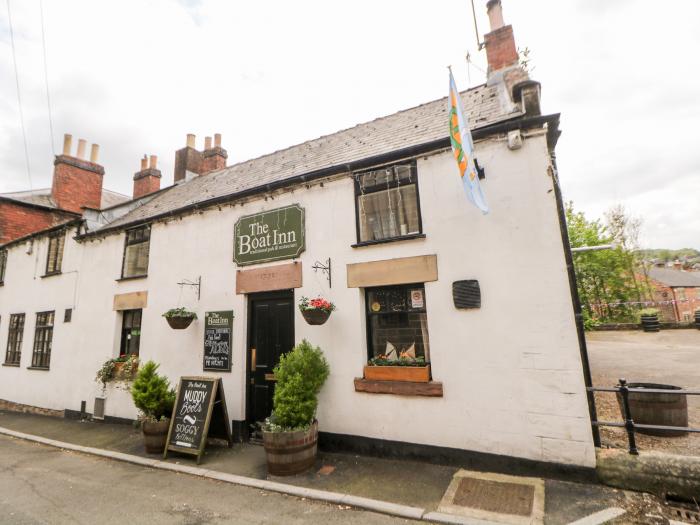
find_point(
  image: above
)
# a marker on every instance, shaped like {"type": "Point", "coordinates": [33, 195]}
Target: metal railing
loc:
{"type": "Point", "coordinates": [629, 425]}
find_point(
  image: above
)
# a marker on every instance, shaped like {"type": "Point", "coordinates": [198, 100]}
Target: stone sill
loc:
{"type": "Point", "coordinates": [51, 274]}
{"type": "Point", "coordinates": [45, 368]}
{"type": "Point", "coordinates": [16, 365]}
{"type": "Point", "coordinates": [399, 388]}
{"type": "Point", "coordinates": [390, 239]}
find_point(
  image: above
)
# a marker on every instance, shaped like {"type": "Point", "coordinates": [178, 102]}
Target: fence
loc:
{"type": "Point", "coordinates": [629, 425]}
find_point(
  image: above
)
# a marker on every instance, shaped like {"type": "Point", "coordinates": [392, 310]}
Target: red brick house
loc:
{"type": "Point", "coordinates": [676, 291]}
{"type": "Point", "coordinates": [77, 184]}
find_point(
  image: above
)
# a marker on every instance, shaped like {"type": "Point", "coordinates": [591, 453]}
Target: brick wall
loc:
{"type": "Point", "coordinates": [17, 220]}
{"type": "Point", "coordinates": [11, 406]}
{"type": "Point", "coordinates": [76, 183]}
{"type": "Point", "coordinates": [145, 182]}
{"type": "Point", "coordinates": [500, 48]}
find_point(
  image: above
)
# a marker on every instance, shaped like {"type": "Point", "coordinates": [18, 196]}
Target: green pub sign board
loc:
{"type": "Point", "coordinates": [269, 236]}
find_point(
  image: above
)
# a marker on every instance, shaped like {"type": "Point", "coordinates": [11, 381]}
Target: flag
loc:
{"type": "Point", "coordinates": [463, 149]}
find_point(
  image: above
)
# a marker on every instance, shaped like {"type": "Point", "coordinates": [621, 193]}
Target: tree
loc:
{"type": "Point", "coordinates": [607, 279]}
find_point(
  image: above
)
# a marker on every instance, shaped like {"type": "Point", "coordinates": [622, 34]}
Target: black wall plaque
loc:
{"type": "Point", "coordinates": [466, 294]}
{"type": "Point", "coordinates": [218, 328]}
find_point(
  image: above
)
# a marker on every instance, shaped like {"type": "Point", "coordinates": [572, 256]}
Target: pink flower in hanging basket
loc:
{"type": "Point", "coordinates": [306, 304]}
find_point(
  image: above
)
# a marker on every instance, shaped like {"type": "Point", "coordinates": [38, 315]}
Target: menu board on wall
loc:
{"type": "Point", "coordinates": [218, 328]}
{"type": "Point", "coordinates": [199, 412]}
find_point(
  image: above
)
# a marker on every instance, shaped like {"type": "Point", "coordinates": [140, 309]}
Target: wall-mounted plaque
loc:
{"type": "Point", "coordinates": [269, 236]}
{"type": "Point", "coordinates": [218, 329]}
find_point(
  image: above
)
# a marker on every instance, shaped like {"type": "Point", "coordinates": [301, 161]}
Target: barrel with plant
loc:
{"type": "Point", "coordinates": [649, 318]}
{"type": "Point", "coordinates": [153, 396]}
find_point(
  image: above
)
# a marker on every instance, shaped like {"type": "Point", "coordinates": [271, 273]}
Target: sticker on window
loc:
{"type": "Point", "coordinates": [417, 299]}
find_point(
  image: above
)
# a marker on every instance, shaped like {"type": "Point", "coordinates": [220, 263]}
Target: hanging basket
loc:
{"type": "Point", "coordinates": [179, 323]}
{"type": "Point", "coordinates": [316, 316]}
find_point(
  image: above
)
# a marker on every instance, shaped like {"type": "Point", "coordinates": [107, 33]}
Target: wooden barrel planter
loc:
{"type": "Point", "coordinates": [155, 435]}
{"type": "Point", "coordinates": [315, 316]}
{"type": "Point", "coordinates": [697, 319]}
{"type": "Point", "coordinates": [291, 453]}
{"type": "Point", "coordinates": [669, 410]}
{"type": "Point", "coordinates": [179, 323]}
{"type": "Point", "coordinates": [650, 323]}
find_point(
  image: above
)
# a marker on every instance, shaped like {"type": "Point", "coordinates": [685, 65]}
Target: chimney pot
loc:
{"type": "Point", "coordinates": [144, 163]}
{"type": "Point", "coordinates": [190, 140]}
{"type": "Point", "coordinates": [495, 12]}
{"type": "Point", "coordinates": [81, 149]}
{"type": "Point", "coordinates": [154, 161]}
{"type": "Point", "coordinates": [94, 153]}
{"type": "Point", "coordinates": [217, 140]}
{"type": "Point", "coordinates": [67, 142]}
{"type": "Point", "coordinates": [207, 143]}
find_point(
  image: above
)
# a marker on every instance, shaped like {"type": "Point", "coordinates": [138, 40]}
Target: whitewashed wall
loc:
{"type": "Point", "coordinates": [512, 376]}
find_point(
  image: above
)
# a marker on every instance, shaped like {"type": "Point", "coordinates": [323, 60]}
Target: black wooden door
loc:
{"type": "Point", "coordinates": [270, 334]}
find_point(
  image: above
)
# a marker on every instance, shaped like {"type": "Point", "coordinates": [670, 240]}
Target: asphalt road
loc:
{"type": "Point", "coordinates": [40, 484]}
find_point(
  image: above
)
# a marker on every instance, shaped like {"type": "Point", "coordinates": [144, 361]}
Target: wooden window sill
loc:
{"type": "Point", "coordinates": [131, 277]}
{"type": "Point", "coordinates": [399, 388]}
{"type": "Point", "coordinates": [390, 239]}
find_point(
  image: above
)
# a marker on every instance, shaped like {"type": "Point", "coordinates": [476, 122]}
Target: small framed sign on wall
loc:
{"type": "Point", "coordinates": [218, 330]}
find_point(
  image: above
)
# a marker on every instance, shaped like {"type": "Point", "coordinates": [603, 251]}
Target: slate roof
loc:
{"type": "Point", "coordinates": [42, 197]}
{"type": "Point", "coordinates": [422, 124]}
{"type": "Point", "coordinates": [675, 278]}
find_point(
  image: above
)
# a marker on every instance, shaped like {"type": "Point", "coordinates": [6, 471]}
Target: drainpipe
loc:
{"type": "Point", "coordinates": [575, 300]}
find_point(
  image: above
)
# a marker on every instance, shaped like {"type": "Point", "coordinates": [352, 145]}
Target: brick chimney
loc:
{"type": "Point", "coordinates": [189, 162]}
{"type": "Point", "coordinates": [500, 42]}
{"type": "Point", "coordinates": [77, 182]}
{"type": "Point", "coordinates": [147, 180]}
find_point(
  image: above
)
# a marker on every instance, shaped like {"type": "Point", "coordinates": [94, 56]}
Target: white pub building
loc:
{"type": "Point", "coordinates": [373, 218]}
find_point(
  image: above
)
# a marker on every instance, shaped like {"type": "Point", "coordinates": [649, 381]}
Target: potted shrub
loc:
{"type": "Point", "coordinates": [649, 317]}
{"type": "Point", "coordinates": [412, 369]}
{"type": "Point", "coordinates": [315, 311]}
{"type": "Point", "coordinates": [179, 318]}
{"type": "Point", "coordinates": [290, 434]}
{"type": "Point", "coordinates": [153, 396]}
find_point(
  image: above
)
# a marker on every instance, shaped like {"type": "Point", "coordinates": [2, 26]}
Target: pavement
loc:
{"type": "Point", "coordinates": [35, 473]}
{"type": "Point", "coordinates": [670, 357]}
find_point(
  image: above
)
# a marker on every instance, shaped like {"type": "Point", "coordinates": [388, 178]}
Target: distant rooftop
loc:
{"type": "Point", "coordinates": [675, 278]}
{"type": "Point", "coordinates": [42, 197]}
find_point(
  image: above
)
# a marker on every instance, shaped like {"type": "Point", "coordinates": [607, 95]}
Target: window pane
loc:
{"type": "Point", "coordinates": [136, 259]}
{"type": "Point", "coordinates": [388, 213]}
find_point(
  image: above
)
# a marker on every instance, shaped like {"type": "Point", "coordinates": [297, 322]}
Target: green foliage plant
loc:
{"type": "Point", "coordinates": [402, 361]}
{"type": "Point", "coordinates": [180, 312]}
{"type": "Point", "coordinates": [152, 394]}
{"type": "Point", "coordinates": [648, 311]}
{"type": "Point", "coordinates": [300, 375]}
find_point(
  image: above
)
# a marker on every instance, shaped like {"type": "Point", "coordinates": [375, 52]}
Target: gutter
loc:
{"type": "Point", "coordinates": [411, 151]}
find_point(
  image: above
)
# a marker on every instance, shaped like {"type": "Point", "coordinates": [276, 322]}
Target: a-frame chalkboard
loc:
{"type": "Point", "coordinates": [199, 412]}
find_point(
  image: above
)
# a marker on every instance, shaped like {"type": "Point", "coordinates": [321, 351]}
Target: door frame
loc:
{"type": "Point", "coordinates": [257, 296]}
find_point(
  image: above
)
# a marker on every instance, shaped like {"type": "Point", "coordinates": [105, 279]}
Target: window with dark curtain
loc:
{"type": "Point", "coordinates": [136, 247]}
{"type": "Point", "coordinates": [14, 339]}
{"type": "Point", "coordinates": [43, 336]}
{"type": "Point", "coordinates": [397, 322]}
{"type": "Point", "coordinates": [131, 332]}
{"type": "Point", "coordinates": [54, 255]}
{"type": "Point", "coordinates": [387, 203]}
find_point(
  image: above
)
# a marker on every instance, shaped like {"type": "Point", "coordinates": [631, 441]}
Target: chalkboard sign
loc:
{"type": "Point", "coordinates": [199, 412]}
{"type": "Point", "coordinates": [217, 341]}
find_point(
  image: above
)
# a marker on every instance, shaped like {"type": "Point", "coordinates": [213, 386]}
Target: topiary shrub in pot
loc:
{"type": "Point", "coordinates": [153, 396]}
{"type": "Point", "coordinates": [649, 317]}
{"type": "Point", "coordinates": [290, 435]}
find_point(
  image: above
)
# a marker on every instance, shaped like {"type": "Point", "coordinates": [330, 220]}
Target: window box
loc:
{"type": "Point", "coordinates": [414, 374]}
{"type": "Point", "coordinates": [399, 388]}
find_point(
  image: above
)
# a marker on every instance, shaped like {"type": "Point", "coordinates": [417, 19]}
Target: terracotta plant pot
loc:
{"type": "Point", "coordinates": [155, 435]}
{"type": "Point", "coordinates": [179, 323]}
{"type": "Point", "coordinates": [315, 316]}
{"type": "Point", "coordinates": [414, 374]}
{"type": "Point", "coordinates": [291, 453]}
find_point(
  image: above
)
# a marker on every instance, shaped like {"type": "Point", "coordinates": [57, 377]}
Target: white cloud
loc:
{"type": "Point", "coordinates": [137, 76]}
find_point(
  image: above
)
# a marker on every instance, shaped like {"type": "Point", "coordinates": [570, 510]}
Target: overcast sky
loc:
{"type": "Point", "coordinates": [137, 76]}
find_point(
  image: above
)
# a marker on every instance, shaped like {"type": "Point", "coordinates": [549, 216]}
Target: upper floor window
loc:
{"type": "Point", "coordinates": [387, 204]}
{"type": "Point", "coordinates": [43, 337]}
{"type": "Point", "coordinates": [54, 255]}
{"type": "Point", "coordinates": [681, 294]}
{"type": "Point", "coordinates": [136, 246]}
{"type": "Point", "coordinates": [14, 339]}
{"type": "Point", "coordinates": [3, 264]}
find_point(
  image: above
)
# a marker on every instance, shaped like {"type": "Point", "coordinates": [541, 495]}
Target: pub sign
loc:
{"type": "Point", "coordinates": [269, 236]}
